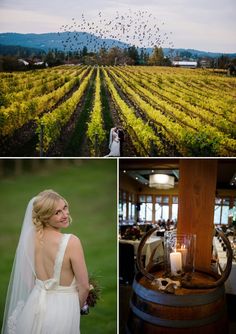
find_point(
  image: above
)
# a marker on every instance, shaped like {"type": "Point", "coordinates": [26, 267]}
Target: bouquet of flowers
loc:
{"type": "Point", "coordinates": [93, 296]}
{"type": "Point", "coordinates": [132, 233]}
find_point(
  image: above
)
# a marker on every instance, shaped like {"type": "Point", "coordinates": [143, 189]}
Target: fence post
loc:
{"type": "Point", "coordinates": [41, 139]}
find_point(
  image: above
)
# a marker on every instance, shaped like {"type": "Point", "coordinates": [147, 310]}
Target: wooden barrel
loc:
{"type": "Point", "coordinates": [188, 311]}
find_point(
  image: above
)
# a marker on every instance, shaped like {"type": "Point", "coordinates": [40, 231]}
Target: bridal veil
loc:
{"type": "Point", "coordinates": [23, 272]}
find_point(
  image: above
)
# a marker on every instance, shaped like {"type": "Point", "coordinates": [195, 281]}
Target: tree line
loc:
{"type": "Point", "coordinates": [113, 56]}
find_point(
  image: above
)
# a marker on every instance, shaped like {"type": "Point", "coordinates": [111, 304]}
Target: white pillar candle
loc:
{"type": "Point", "coordinates": [175, 262]}
{"type": "Point", "coordinates": [184, 251]}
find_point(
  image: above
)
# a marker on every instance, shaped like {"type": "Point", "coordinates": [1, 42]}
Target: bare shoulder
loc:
{"type": "Point", "coordinates": [74, 242]}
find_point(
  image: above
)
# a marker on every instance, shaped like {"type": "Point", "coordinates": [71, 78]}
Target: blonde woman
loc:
{"type": "Point", "coordinates": [49, 281]}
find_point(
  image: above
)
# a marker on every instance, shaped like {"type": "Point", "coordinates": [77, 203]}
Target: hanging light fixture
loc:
{"type": "Point", "coordinates": [161, 181]}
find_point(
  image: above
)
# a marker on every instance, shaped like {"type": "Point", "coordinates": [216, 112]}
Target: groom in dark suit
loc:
{"type": "Point", "coordinates": [121, 136]}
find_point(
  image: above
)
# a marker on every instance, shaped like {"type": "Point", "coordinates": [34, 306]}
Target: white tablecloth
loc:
{"type": "Point", "coordinates": [148, 248]}
{"type": "Point", "coordinates": [230, 284]}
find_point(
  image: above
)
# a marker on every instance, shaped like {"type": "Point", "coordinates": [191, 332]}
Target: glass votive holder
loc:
{"type": "Point", "coordinates": [179, 253]}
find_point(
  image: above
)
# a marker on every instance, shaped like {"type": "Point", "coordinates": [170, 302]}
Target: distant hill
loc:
{"type": "Point", "coordinates": [77, 40]}
{"type": "Point", "coordinates": [200, 54]}
{"type": "Point", "coordinates": [21, 51]}
{"type": "Point", "coordinates": [56, 41]}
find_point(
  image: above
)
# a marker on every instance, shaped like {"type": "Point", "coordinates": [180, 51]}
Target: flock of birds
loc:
{"type": "Point", "coordinates": [138, 28]}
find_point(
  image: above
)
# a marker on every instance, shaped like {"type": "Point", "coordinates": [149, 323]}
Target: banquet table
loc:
{"type": "Point", "coordinates": [230, 284]}
{"type": "Point", "coordinates": [151, 243]}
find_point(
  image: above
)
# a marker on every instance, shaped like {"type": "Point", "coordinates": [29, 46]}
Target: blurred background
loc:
{"type": "Point", "coordinates": [90, 187]}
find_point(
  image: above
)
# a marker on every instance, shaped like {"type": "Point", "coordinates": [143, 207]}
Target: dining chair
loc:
{"type": "Point", "coordinates": [126, 263]}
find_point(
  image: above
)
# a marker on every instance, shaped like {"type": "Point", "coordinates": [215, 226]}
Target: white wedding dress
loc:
{"type": "Point", "coordinates": [50, 308]}
{"type": "Point", "coordinates": [114, 145]}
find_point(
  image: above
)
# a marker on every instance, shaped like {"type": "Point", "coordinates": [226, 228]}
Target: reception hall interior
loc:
{"type": "Point", "coordinates": [177, 245]}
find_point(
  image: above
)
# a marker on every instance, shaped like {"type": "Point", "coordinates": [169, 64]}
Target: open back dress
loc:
{"type": "Point", "coordinates": [51, 308]}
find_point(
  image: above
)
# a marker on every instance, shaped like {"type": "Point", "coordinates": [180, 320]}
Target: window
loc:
{"type": "Point", "coordinates": [142, 199]}
{"type": "Point", "coordinates": [149, 199]}
{"type": "Point", "coordinates": [161, 212]}
{"type": "Point", "coordinates": [221, 215]}
{"type": "Point", "coordinates": [146, 212]}
{"type": "Point", "coordinates": [161, 207]}
{"type": "Point", "coordinates": [165, 199]}
{"type": "Point", "coordinates": [133, 211]}
{"type": "Point", "coordinates": [146, 208]}
{"type": "Point", "coordinates": [131, 207]}
{"type": "Point", "coordinates": [122, 206]}
{"type": "Point", "coordinates": [124, 211]}
{"type": "Point", "coordinates": [174, 214]}
{"type": "Point", "coordinates": [129, 211]}
{"type": "Point", "coordinates": [165, 207]}
{"type": "Point", "coordinates": [120, 212]}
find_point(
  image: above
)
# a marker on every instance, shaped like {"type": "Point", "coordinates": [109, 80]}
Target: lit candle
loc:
{"type": "Point", "coordinates": [175, 262]}
{"type": "Point", "coordinates": [183, 251]}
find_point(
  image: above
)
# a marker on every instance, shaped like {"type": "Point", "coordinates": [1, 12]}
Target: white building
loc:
{"type": "Point", "coordinates": [184, 63]}
{"type": "Point", "coordinates": [23, 62]}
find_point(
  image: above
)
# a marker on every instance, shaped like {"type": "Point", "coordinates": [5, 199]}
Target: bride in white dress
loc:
{"type": "Point", "coordinates": [49, 279]}
{"type": "Point", "coordinates": [114, 143]}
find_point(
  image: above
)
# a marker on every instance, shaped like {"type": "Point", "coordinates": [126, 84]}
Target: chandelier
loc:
{"type": "Point", "coordinates": [161, 181]}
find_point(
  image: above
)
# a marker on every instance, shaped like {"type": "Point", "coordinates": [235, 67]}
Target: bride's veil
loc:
{"type": "Point", "coordinates": [110, 138]}
{"type": "Point", "coordinates": [23, 273]}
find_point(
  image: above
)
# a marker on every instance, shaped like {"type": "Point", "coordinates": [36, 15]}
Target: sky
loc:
{"type": "Point", "coordinates": [207, 25]}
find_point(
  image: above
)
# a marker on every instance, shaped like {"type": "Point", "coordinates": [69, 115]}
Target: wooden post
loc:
{"type": "Point", "coordinates": [197, 187]}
